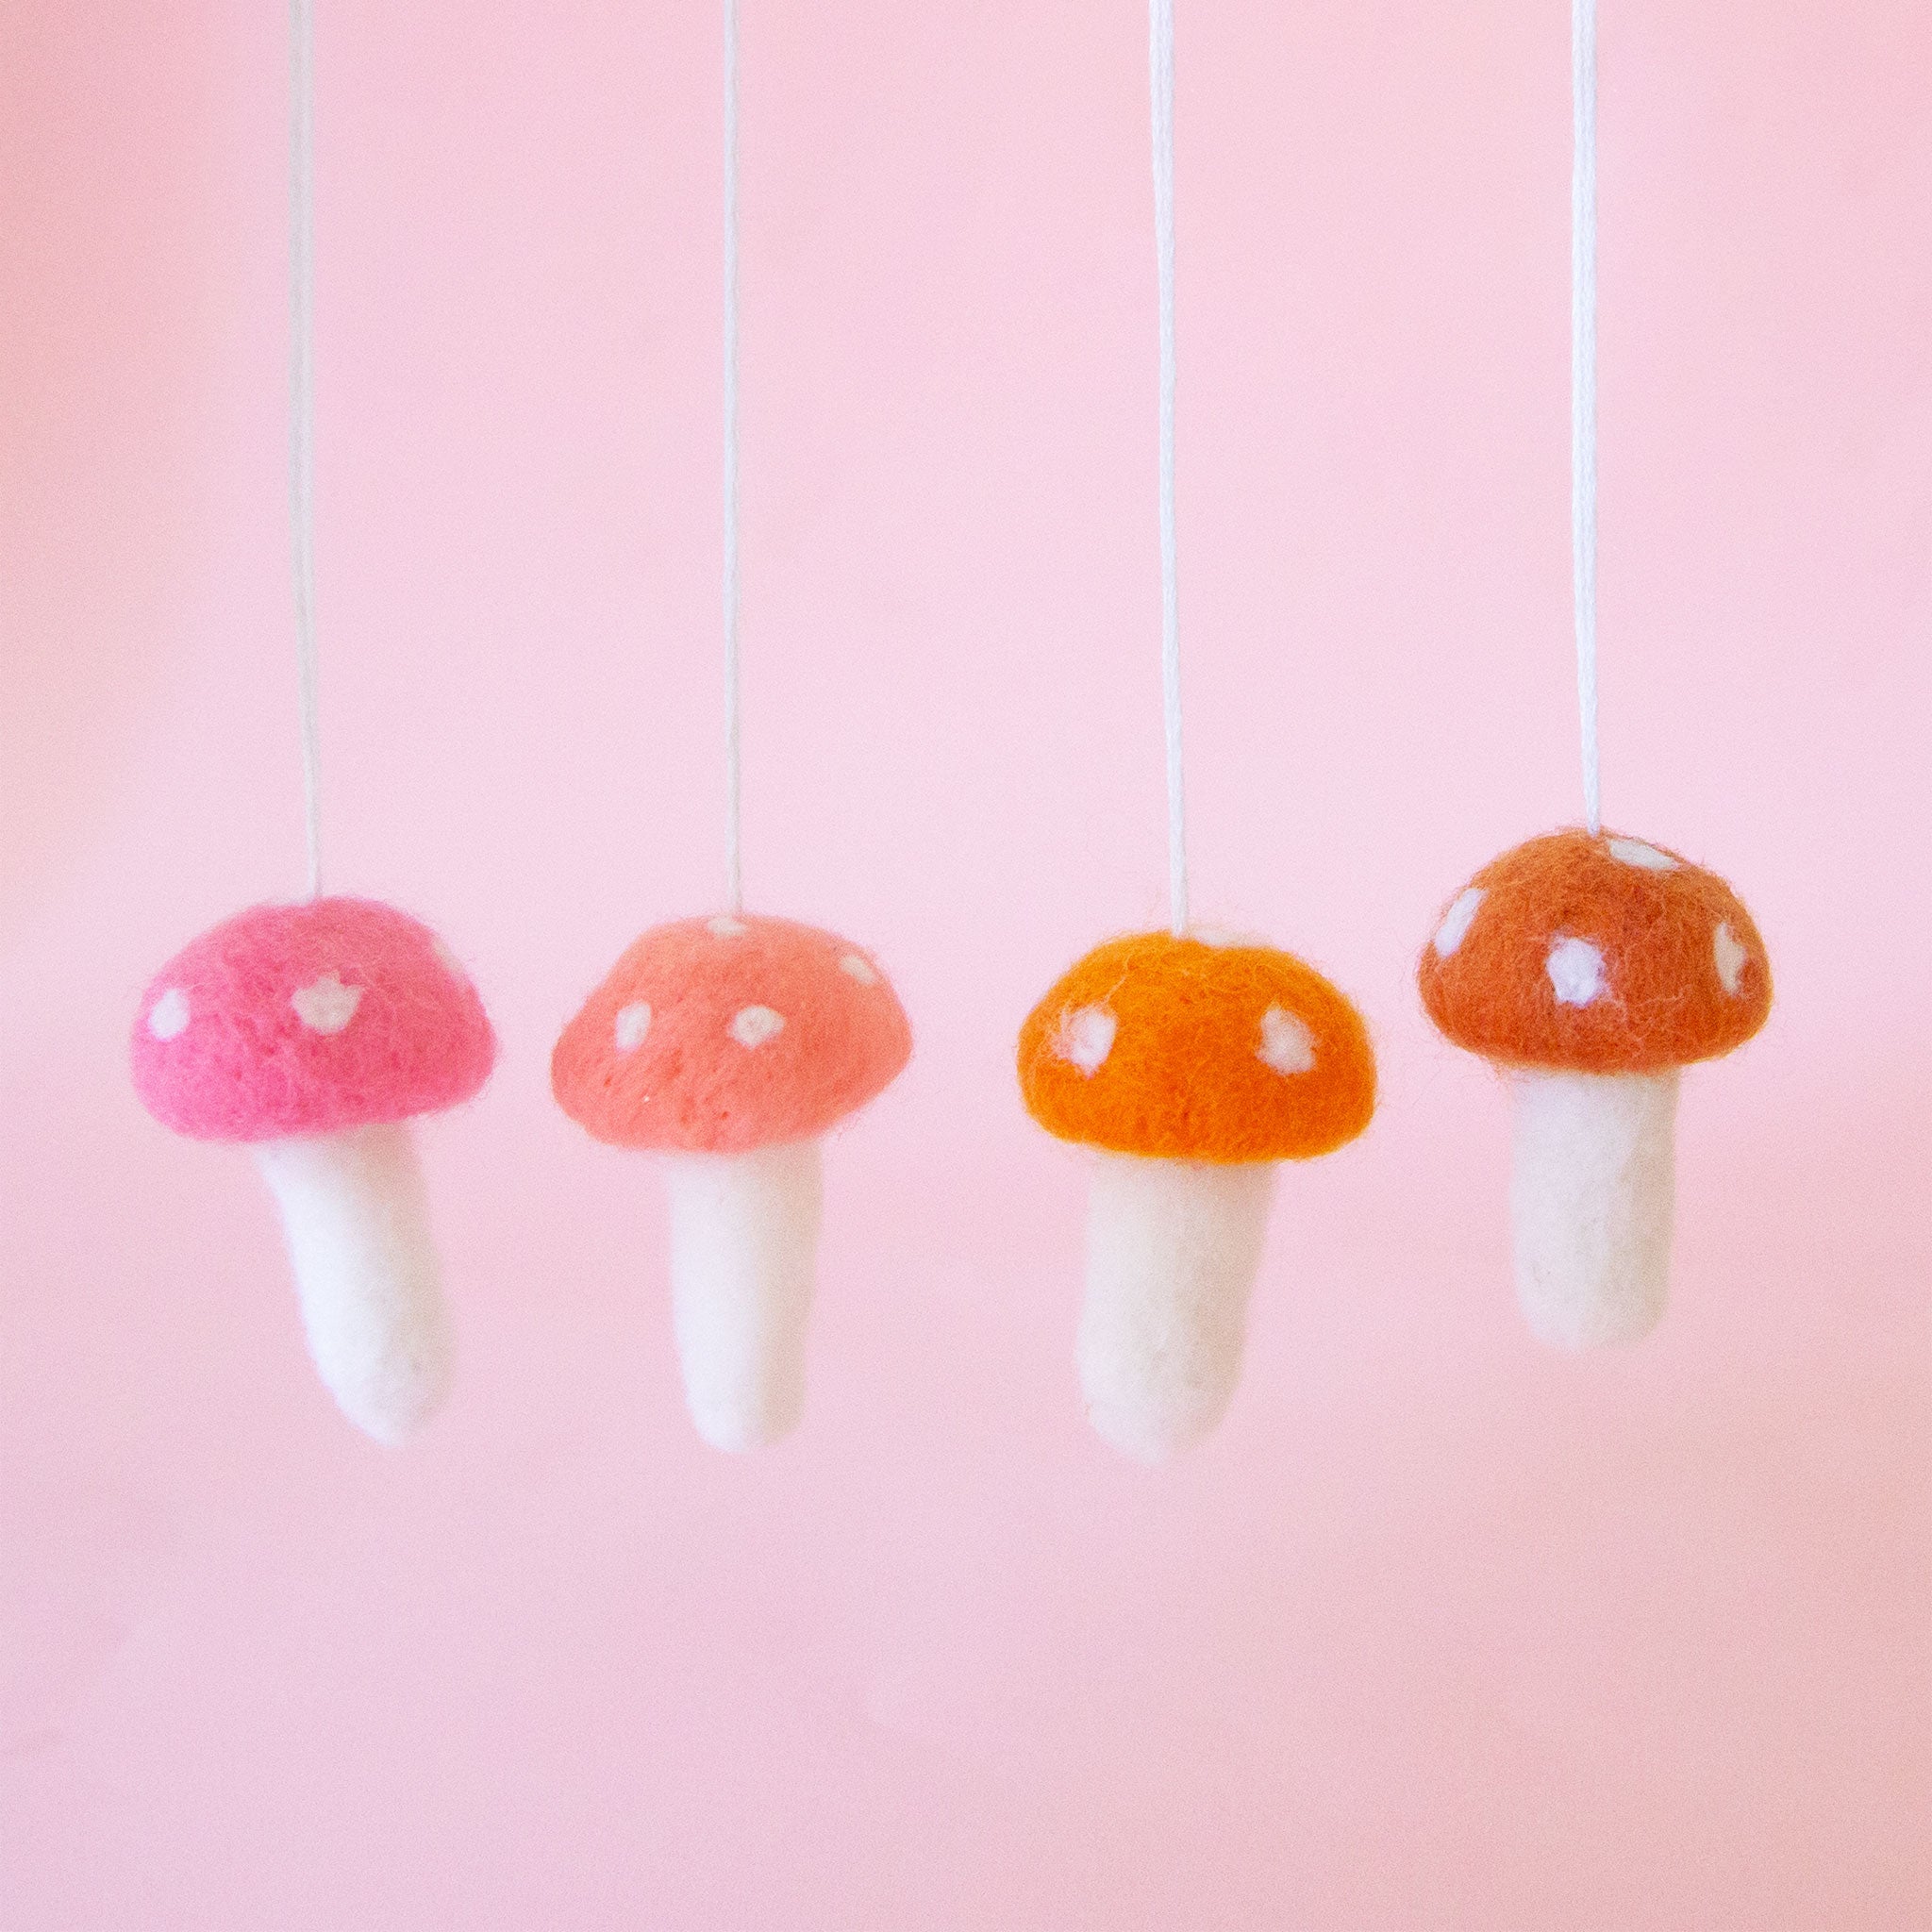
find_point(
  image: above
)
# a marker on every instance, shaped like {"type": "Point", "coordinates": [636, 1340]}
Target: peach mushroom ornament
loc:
{"type": "Point", "coordinates": [313, 1034]}
{"type": "Point", "coordinates": [729, 1047]}
{"type": "Point", "coordinates": [1589, 968]}
{"type": "Point", "coordinates": [1191, 1069]}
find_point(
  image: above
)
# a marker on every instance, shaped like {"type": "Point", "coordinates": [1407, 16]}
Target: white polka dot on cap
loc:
{"type": "Point", "coordinates": [1576, 971]}
{"type": "Point", "coordinates": [1645, 857]}
{"type": "Point", "coordinates": [325, 1005]}
{"type": "Point", "coordinates": [169, 1016]}
{"type": "Point", "coordinates": [1728, 957]}
{"type": "Point", "coordinates": [753, 1025]}
{"type": "Point", "coordinates": [1288, 1046]}
{"type": "Point", "coordinates": [1086, 1037]}
{"type": "Point", "coordinates": [1458, 920]}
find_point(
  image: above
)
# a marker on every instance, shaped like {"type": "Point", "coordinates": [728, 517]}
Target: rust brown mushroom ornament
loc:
{"type": "Point", "coordinates": [1589, 968]}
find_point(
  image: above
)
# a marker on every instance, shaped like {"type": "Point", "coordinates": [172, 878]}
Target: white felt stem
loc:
{"type": "Point", "coordinates": [1592, 1193]}
{"type": "Point", "coordinates": [744, 1232]}
{"type": "Point", "coordinates": [357, 1220]}
{"type": "Point", "coordinates": [1173, 1247]}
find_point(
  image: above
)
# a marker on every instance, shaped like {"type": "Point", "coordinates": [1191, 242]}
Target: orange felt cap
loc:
{"type": "Point", "coordinates": [1596, 954]}
{"type": "Point", "coordinates": [1186, 1051]}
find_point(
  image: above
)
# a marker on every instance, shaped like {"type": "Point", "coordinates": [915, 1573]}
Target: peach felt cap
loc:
{"type": "Point", "coordinates": [1173, 1047]}
{"type": "Point", "coordinates": [722, 1035]}
{"type": "Point", "coordinates": [1596, 954]}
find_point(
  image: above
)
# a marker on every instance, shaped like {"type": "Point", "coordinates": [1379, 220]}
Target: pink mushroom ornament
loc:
{"type": "Point", "coordinates": [313, 1034]}
{"type": "Point", "coordinates": [729, 1047]}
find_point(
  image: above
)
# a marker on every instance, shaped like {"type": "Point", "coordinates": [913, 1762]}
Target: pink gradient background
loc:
{"type": "Point", "coordinates": [1441, 1630]}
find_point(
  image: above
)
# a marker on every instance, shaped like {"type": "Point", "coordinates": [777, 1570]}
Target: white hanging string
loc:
{"type": "Point", "coordinates": [1583, 385]}
{"type": "Point", "coordinates": [302, 405]}
{"type": "Point", "coordinates": [1160, 66]}
{"type": "Point", "coordinates": [734, 867]}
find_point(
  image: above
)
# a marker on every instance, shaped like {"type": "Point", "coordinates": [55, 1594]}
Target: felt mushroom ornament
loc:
{"type": "Point", "coordinates": [728, 1047]}
{"type": "Point", "coordinates": [1191, 1069]}
{"type": "Point", "coordinates": [1590, 968]}
{"type": "Point", "coordinates": [1191, 1063]}
{"type": "Point", "coordinates": [1587, 965]}
{"type": "Point", "coordinates": [313, 1034]}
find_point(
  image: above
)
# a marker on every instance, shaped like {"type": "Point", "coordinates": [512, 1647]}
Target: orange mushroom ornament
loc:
{"type": "Point", "coordinates": [1590, 968]}
{"type": "Point", "coordinates": [1190, 1067]}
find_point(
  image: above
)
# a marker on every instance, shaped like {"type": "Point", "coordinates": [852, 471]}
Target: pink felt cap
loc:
{"type": "Point", "coordinates": [717, 1036]}
{"type": "Point", "coordinates": [291, 1019]}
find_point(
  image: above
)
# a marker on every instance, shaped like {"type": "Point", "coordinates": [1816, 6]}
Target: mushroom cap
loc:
{"type": "Point", "coordinates": [1181, 1049]}
{"type": "Point", "coordinates": [1596, 954]}
{"type": "Point", "coordinates": [719, 1035]}
{"type": "Point", "coordinates": [304, 1018]}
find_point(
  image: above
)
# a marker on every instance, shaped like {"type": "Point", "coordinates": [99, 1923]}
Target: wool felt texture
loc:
{"type": "Point", "coordinates": [305, 1019]}
{"type": "Point", "coordinates": [1596, 954]}
{"type": "Point", "coordinates": [744, 1250]}
{"type": "Point", "coordinates": [1177, 1048]}
{"type": "Point", "coordinates": [719, 1035]}
{"type": "Point", "coordinates": [357, 1221]}
{"type": "Point", "coordinates": [1592, 1198]}
{"type": "Point", "coordinates": [1173, 1248]}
